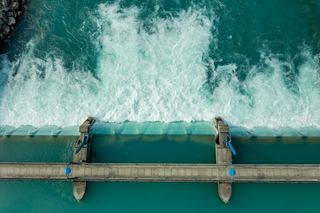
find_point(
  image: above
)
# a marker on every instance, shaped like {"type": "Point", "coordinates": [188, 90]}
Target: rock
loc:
{"type": "Point", "coordinates": [5, 3]}
{"type": "Point", "coordinates": [10, 11]}
{"type": "Point", "coordinates": [5, 9]}
{"type": "Point", "coordinates": [15, 5]}
{"type": "Point", "coordinates": [6, 30]}
{"type": "Point", "coordinates": [11, 21]}
{"type": "Point", "coordinates": [10, 14]}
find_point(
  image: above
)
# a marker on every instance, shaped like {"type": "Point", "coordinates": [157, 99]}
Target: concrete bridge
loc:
{"type": "Point", "coordinates": [162, 172]}
{"type": "Point", "coordinates": [224, 172]}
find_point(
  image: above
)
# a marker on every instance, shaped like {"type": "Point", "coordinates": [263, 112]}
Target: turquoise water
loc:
{"type": "Point", "coordinates": [44, 196]}
{"type": "Point", "coordinates": [255, 63]}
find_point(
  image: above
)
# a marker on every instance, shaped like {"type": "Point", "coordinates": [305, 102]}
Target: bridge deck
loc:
{"type": "Point", "coordinates": [162, 172]}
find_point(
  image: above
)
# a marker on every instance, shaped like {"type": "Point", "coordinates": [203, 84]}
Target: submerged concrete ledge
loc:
{"type": "Point", "coordinates": [203, 128]}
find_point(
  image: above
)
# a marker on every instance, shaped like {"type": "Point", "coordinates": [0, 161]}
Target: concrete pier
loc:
{"type": "Point", "coordinates": [81, 154]}
{"type": "Point", "coordinates": [256, 173]}
{"type": "Point", "coordinates": [223, 157]}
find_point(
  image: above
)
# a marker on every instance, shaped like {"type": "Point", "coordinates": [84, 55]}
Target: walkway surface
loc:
{"type": "Point", "coordinates": [162, 172]}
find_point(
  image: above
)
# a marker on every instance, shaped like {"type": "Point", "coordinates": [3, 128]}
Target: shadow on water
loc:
{"type": "Point", "coordinates": [200, 149]}
{"type": "Point", "coordinates": [36, 149]}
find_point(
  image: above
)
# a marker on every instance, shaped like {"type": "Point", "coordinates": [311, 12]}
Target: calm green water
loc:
{"type": "Point", "coordinates": [43, 196]}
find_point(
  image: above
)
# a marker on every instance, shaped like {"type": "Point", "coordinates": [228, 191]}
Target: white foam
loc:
{"type": "Point", "coordinates": [268, 101]}
{"type": "Point", "coordinates": [154, 76]}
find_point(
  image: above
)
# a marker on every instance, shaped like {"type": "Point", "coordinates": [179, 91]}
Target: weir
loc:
{"type": "Point", "coordinates": [224, 172]}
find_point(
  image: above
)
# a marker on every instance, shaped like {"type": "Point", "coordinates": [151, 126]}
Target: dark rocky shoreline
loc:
{"type": "Point", "coordinates": [10, 12]}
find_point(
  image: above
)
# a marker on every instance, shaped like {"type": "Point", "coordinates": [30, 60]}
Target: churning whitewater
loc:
{"type": "Point", "coordinates": [157, 74]}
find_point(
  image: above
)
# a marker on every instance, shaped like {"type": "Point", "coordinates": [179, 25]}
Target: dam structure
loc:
{"type": "Point", "coordinates": [224, 172]}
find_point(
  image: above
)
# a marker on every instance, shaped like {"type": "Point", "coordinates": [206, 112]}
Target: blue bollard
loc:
{"type": "Point", "coordinates": [232, 172]}
{"type": "Point", "coordinates": [67, 170]}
